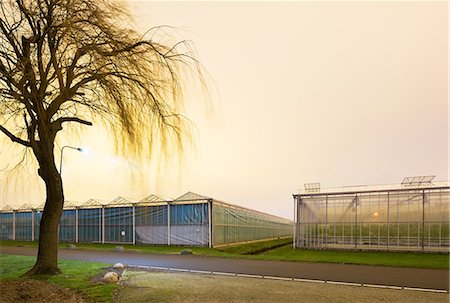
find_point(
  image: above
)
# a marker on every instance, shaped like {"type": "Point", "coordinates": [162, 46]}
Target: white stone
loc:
{"type": "Point", "coordinates": [119, 266]}
{"type": "Point", "coordinates": [119, 248]}
{"type": "Point", "coordinates": [111, 277]}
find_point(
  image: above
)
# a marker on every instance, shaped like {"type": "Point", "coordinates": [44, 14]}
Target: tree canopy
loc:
{"type": "Point", "coordinates": [79, 62]}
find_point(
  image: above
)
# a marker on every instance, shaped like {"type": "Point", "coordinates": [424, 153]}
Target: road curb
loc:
{"type": "Point", "coordinates": [242, 275]}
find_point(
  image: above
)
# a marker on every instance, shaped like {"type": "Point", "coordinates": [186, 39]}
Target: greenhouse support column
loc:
{"type": "Point", "coordinates": [326, 220]}
{"type": "Point", "coordinates": [168, 223]}
{"type": "Point", "coordinates": [297, 234]}
{"type": "Point", "coordinates": [14, 225]}
{"type": "Point", "coordinates": [32, 225]}
{"type": "Point", "coordinates": [423, 219]}
{"type": "Point", "coordinates": [356, 220]}
{"type": "Point", "coordinates": [99, 225]}
{"type": "Point", "coordinates": [203, 225]}
{"type": "Point", "coordinates": [299, 229]}
{"type": "Point", "coordinates": [440, 219]}
{"type": "Point", "coordinates": [295, 223]}
{"type": "Point", "coordinates": [388, 222]}
{"type": "Point", "coordinates": [76, 224]}
{"type": "Point", "coordinates": [210, 223]}
{"type": "Point", "coordinates": [103, 225]}
{"type": "Point", "coordinates": [134, 225]}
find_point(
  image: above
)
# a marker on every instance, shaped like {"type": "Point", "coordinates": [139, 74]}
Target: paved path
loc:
{"type": "Point", "coordinates": [382, 275]}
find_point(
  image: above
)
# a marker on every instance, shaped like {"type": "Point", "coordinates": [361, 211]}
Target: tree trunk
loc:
{"type": "Point", "coordinates": [47, 258]}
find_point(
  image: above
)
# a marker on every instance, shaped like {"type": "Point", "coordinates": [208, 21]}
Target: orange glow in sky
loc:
{"type": "Point", "coordinates": [341, 93]}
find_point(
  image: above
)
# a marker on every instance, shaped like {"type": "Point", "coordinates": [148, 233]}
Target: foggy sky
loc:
{"type": "Point", "coordinates": [341, 93]}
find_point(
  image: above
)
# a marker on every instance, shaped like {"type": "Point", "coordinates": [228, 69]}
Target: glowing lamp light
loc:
{"type": "Point", "coordinates": [375, 214]}
{"type": "Point", "coordinates": [80, 149]}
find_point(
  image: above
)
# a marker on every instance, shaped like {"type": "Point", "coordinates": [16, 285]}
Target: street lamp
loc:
{"type": "Point", "coordinates": [62, 150]}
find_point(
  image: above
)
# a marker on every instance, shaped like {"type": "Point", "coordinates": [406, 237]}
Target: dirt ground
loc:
{"type": "Point", "coordinates": [35, 291]}
{"type": "Point", "coordinates": [160, 286]}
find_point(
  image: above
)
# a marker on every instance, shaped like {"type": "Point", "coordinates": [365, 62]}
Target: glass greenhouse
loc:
{"type": "Point", "coordinates": [411, 216]}
{"type": "Point", "coordinates": [152, 220]}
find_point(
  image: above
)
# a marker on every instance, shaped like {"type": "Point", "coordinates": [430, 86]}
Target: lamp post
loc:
{"type": "Point", "coordinates": [60, 173]}
{"type": "Point", "coordinates": [61, 160]}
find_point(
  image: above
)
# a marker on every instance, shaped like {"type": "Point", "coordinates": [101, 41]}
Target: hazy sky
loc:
{"type": "Point", "coordinates": [341, 93]}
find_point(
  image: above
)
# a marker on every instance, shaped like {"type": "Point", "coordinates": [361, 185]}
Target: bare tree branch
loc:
{"type": "Point", "coordinates": [72, 119]}
{"type": "Point", "coordinates": [14, 138]}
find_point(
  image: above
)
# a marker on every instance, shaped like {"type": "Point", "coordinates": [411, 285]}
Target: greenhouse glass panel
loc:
{"type": "Point", "coordinates": [118, 224]}
{"type": "Point", "coordinates": [23, 226]}
{"type": "Point", "coordinates": [233, 225]}
{"type": "Point", "coordinates": [37, 224]}
{"type": "Point", "coordinates": [436, 227]}
{"type": "Point", "coordinates": [189, 224]}
{"type": "Point", "coordinates": [151, 224]}
{"type": "Point", "coordinates": [89, 225]}
{"type": "Point", "coordinates": [6, 226]}
{"type": "Point", "coordinates": [67, 227]}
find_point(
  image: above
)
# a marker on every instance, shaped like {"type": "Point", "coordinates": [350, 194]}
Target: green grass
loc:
{"type": "Point", "coordinates": [400, 259]}
{"type": "Point", "coordinates": [75, 275]}
{"type": "Point", "coordinates": [254, 247]}
{"type": "Point", "coordinates": [152, 249]}
{"type": "Point", "coordinates": [284, 253]}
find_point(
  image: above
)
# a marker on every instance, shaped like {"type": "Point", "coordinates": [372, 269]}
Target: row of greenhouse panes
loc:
{"type": "Point", "coordinates": [409, 219]}
{"type": "Point", "coordinates": [184, 221]}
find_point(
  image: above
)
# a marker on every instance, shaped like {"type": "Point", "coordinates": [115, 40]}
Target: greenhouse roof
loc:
{"type": "Point", "coordinates": [25, 207]}
{"type": "Point", "coordinates": [190, 196]}
{"type": "Point", "coordinates": [187, 198]}
{"type": "Point", "coordinates": [94, 203]}
{"type": "Point", "coordinates": [236, 206]}
{"type": "Point", "coordinates": [409, 183]}
{"type": "Point", "coordinates": [70, 204]}
{"type": "Point", "coordinates": [41, 206]}
{"type": "Point", "coordinates": [153, 199]}
{"type": "Point", "coordinates": [7, 208]}
{"type": "Point", "coordinates": [121, 201]}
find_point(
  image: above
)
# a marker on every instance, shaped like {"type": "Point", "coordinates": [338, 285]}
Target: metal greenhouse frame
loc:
{"type": "Point", "coordinates": [152, 220]}
{"type": "Point", "coordinates": [411, 216]}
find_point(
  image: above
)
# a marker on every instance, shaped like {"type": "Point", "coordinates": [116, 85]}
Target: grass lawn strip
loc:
{"type": "Point", "coordinates": [254, 248]}
{"type": "Point", "coordinates": [399, 259]}
{"type": "Point", "coordinates": [76, 275]}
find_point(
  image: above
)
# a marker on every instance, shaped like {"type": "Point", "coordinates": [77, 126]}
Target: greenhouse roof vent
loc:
{"type": "Point", "coordinates": [312, 187]}
{"type": "Point", "coordinates": [417, 181]}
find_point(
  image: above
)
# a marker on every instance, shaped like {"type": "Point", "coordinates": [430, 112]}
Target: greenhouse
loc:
{"type": "Point", "coordinates": [411, 216]}
{"type": "Point", "coordinates": [152, 220]}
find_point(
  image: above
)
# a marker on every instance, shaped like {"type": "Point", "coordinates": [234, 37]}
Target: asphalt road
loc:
{"type": "Point", "coordinates": [380, 275]}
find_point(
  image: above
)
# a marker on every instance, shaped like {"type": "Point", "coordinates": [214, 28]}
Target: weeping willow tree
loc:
{"type": "Point", "coordinates": [66, 63]}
